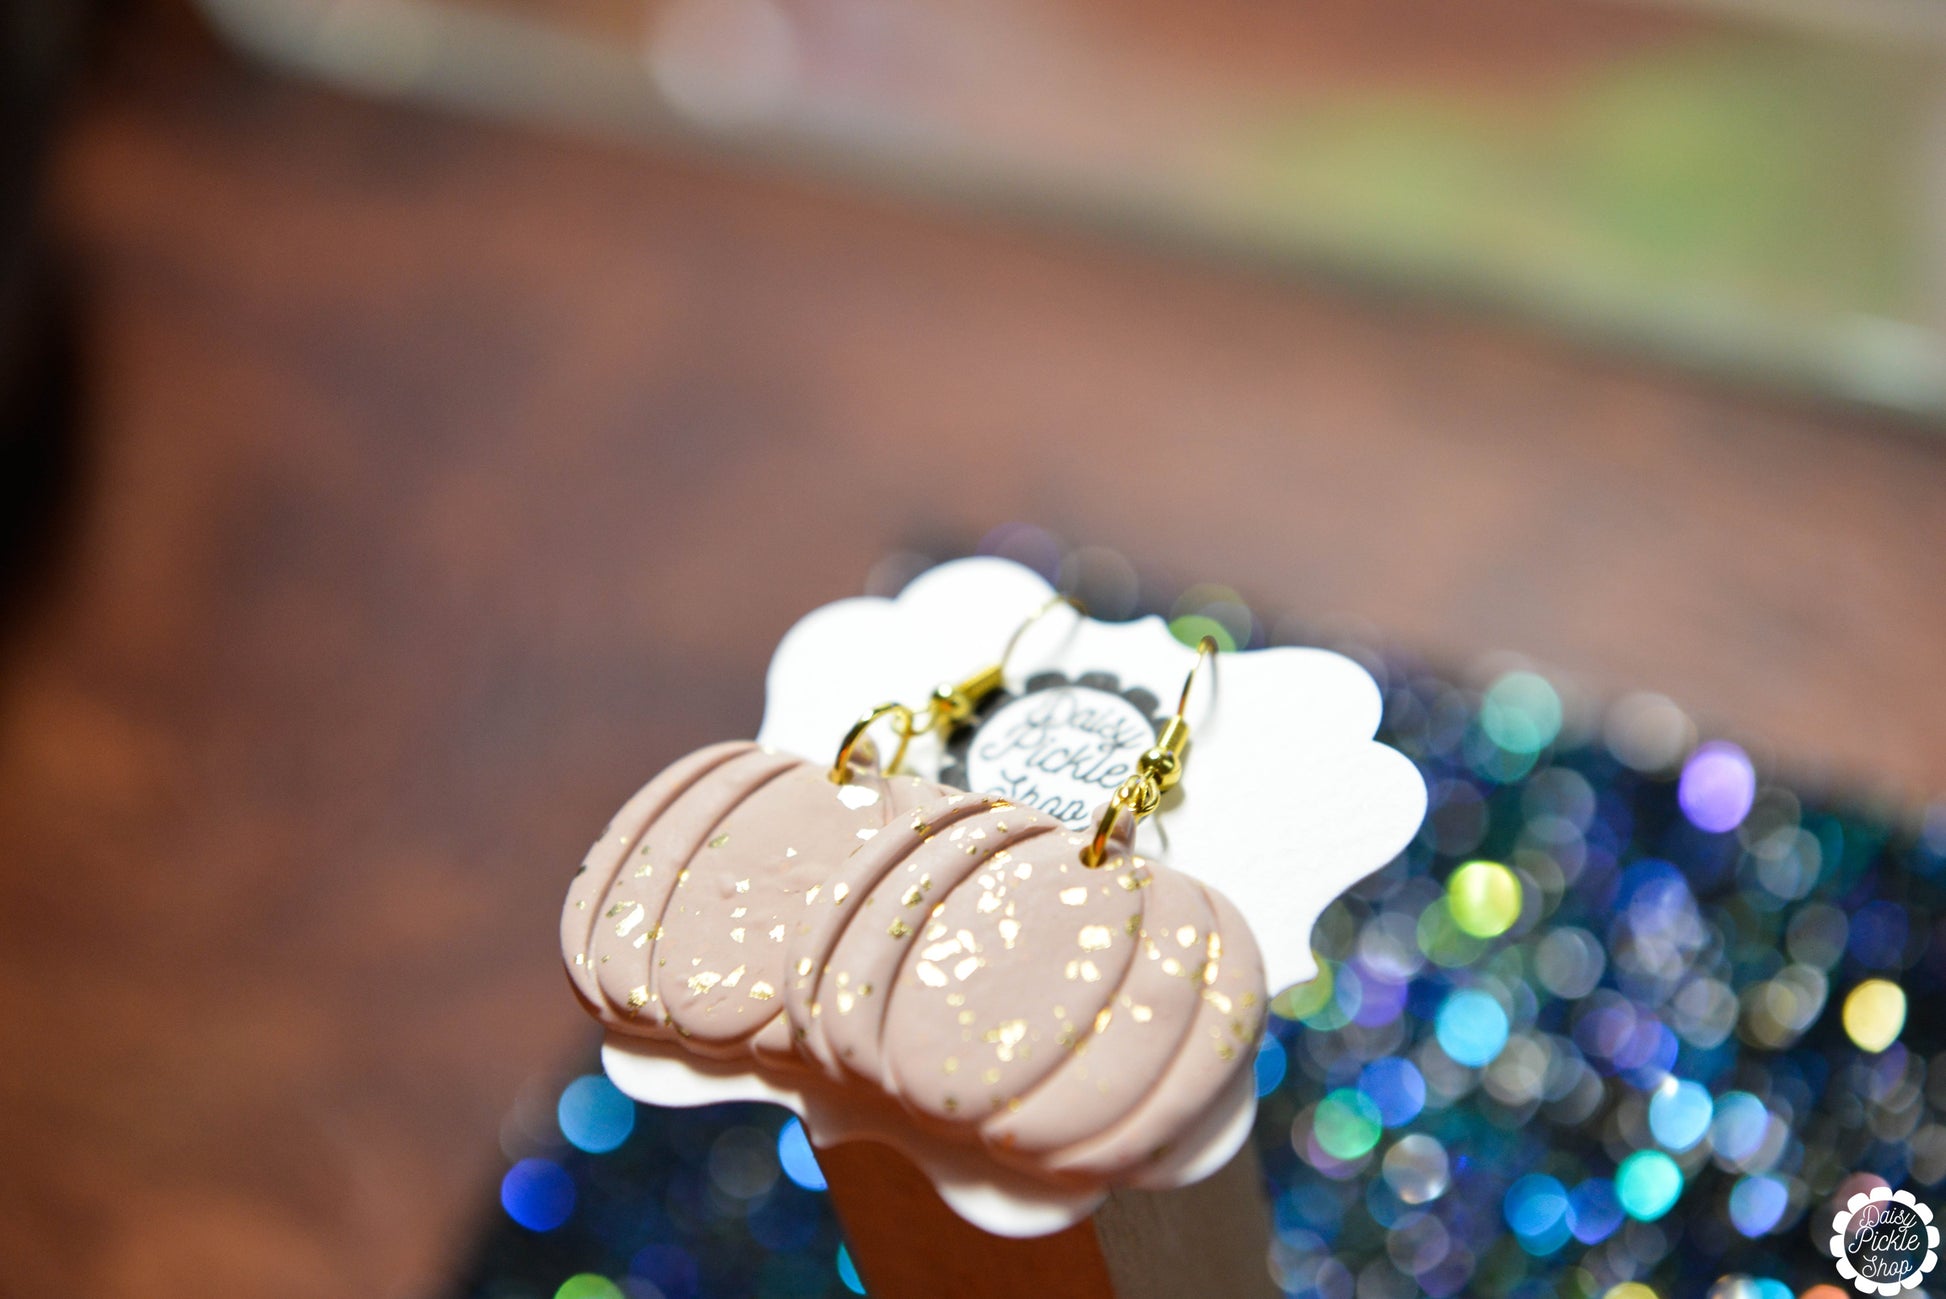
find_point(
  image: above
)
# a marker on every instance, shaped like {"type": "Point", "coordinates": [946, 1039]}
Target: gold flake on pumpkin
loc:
{"type": "Point", "coordinates": [1007, 1038]}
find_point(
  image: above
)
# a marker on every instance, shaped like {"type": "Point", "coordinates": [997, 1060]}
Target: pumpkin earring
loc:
{"type": "Point", "coordinates": [666, 845]}
{"type": "Point", "coordinates": [1068, 1008]}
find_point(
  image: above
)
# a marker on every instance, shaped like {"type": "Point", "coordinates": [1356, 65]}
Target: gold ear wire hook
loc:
{"type": "Point", "coordinates": [901, 726]}
{"type": "Point", "coordinates": [948, 706]}
{"type": "Point", "coordinates": [952, 704]}
{"type": "Point", "coordinates": [1157, 771]}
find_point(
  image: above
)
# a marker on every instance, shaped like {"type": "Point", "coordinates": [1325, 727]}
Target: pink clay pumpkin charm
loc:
{"type": "Point", "coordinates": [950, 950]}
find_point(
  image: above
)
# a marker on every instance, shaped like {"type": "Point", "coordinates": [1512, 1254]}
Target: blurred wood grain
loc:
{"type": "Point", "coordinates": [443, 481]}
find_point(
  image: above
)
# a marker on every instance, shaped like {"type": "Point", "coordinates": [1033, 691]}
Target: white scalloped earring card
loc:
{"type": "Point", "coordinates": [1287, 801]}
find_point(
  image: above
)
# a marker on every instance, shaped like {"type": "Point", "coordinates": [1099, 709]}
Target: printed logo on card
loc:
{"type": "Point", "coordinates": [1060, 747]}
{"type": "Point", "coordinates": [1885, 1241]}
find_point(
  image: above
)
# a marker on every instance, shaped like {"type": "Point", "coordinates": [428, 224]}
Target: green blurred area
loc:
{"type": "Point", "coordinates": [1773, 188]}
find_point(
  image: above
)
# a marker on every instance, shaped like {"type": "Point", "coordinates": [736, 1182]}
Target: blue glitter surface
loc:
{"type": "Point", "coordinates": [1646, 1084]}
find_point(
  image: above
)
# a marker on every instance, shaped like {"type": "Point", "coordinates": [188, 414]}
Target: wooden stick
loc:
{"type": "Point", "coordinates": [1210, 1238]}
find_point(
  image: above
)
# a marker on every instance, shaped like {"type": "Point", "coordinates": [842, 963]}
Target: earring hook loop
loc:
{"type": "Point", "coordinates": [952, 704]}
{"type": "Point", "coordinates": [1157, 771]}
{"type": "Point", "coordinates": [948, 706]}
{"type": "Point", "coordinates": [901, 726]}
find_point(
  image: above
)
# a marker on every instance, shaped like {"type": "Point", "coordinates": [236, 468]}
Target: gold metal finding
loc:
{"type": "Point", "coordinates": [901, 726]}
{"type": "Point", "coordinates": [949, 705]}
{"type": "Point", "coordinates": [1157, 771]}
{"type": "Point", "coordinates": [953, 704]}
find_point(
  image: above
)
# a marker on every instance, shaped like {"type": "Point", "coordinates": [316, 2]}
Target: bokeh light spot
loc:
{"type": "Point", "coordinates": [1270, 1065]}
{"type": "Point", "coordinates": [796, 1158]}
{"type": "Point", "coordinates": [1757, 1204]}
{"type": "Point", "coordinates": [1680, 1113]}
{"type": "Point", "coordinates": [1218, 604]}
{"type": "Point", "coordinates": [1536, 1207]}
{"type": "Point", "coordinates": [1484, 898]}
{"type": "Point", "coordinates": [1648, 1184]}
{"type": "Point", "coordinates": [1594, 1211]}
{"type": "Point", "coordinates": [1303, 1000]}
{"type": "Point", "coordinates": [1103, 580]}
{"type": "Point", "coordinates": [1742, 1121]}
{"type": "Point", "coordinates": [1569, 962]}
{"type": "Point", "coordinates": [1717, 788]}
{"type": "Point", "coordinates": [594, 1115]}
{"type": "Point", "coordinates": [588, 1285]}
{"type": "Point", "coordinates": [538, 1194]}
{"type": "Point", "coordinates": [1875, 1014]}
{"type": "Point", "coordinates": [1192, 627]}
{"type": "Point", "coordinates": [1396, 1088]}
{"type": "Point", "coordinates": [1025, 543]}
{"type": "Point", "coordinates": [1416, 1168]}
{"type": "Point", "coordinates": [848, 1272]}
{"type": "Point", "coordinates": [1648, 732]}
{"type": "Point", "coordinates": [1442, 940]}
{"type": "Point", "coordinates": [1471, 1027]}
{"type": "Point", "coordinates": [1521, 713]}
{"type": "Point", "coordinates": [1347, 1124]}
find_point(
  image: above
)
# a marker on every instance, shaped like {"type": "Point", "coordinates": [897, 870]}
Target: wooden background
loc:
{"type": "Point", "coordinates": [442, 481]}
